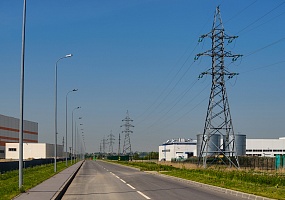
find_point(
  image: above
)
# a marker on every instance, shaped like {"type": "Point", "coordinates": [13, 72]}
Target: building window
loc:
{"type": "Point", "coordinates": [249, 150]}
{"type": "Point", "coordinates": [166, 150]}
{"type": "Point", "coordinates": [12, 149]}
{"type": "Point", "coordinates": [2, 151]}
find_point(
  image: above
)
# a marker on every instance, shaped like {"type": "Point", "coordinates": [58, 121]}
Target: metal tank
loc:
{"type": "Point", "coordinates": [213, 144]}
{"type": "Point", "coordinates": [240, 145]}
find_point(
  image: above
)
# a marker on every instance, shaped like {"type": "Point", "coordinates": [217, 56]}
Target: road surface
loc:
{"type": "Point", "coordinates": [105, 181]}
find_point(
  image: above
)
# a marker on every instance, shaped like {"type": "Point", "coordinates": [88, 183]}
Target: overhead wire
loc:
{"type": "Point", "coordinates": [176, 74]}
{"type": "Point", "coordinates": [177, 100]}
{"type": "Point", "coordinates": [155, 108]}
{"type": "Point", "coordinates": [249, 54]}
{"type": "Point", "coordinates": [244, 29]}
{"type": "Point", "coordinates": [261, 17]}
{"type": "Point", "coordinates": [168, 85]}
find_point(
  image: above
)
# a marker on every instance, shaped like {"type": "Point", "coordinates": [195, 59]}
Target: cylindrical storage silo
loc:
{"type": "Point", "coordinates": [238, 149]}
{"type": "Point", "coordinates": [213, 146]}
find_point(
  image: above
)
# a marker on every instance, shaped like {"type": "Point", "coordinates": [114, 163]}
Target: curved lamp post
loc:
{"type": "Point", "coordinates": [55, 110]}
{"type": "Point", "coordinates": [74, 90]}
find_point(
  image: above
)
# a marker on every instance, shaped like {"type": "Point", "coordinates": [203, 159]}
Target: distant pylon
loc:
{"type": "Point", "coordinates": [127, 142]}
{"type": "Point", "coordinates": [111, 142]}
{"type": "Point", "coordinates": [119, 147]}
{"type": "Point", "coordinates": [104, 145]}
{"type": "Point", "coordinates": [218, 123]}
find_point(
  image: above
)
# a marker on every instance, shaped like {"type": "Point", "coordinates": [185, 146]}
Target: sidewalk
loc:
{"type": "Point", "coordinates": [53, 187]}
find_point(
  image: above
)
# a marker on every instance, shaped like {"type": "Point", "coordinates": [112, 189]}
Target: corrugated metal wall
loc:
{"type": "Point", "coordinates": [9, 132]}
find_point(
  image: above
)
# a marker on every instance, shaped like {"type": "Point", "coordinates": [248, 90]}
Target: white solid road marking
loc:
{"type": "Point", "coordinates": [117, 176]}
{"type": "Point", "coordinates": [131, 186]}
{"type": "Point", "coordinates": [123, 181]}
{"type": "Point", "coordinates": [143, 195]}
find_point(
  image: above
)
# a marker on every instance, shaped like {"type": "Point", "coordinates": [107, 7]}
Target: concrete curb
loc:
{"type": "Point", "coordinates": [215, 188]}
{"type": "Point", "coordinates": [65, 186]}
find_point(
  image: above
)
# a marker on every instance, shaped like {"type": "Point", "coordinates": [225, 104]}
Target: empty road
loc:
{"type": "Point", "coordinates": [105, 181]}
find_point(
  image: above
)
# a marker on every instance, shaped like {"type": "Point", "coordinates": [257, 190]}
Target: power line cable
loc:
{"type": "Point", "coordinates": [241, 11]}
{"type": "Point", "coordinates": [238, 33]}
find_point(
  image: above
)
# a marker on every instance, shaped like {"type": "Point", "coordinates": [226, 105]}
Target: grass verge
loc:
{"type": "Point", "coordinates": [271, 185]}
{"type": "Point", "coordinates": [9, 182]}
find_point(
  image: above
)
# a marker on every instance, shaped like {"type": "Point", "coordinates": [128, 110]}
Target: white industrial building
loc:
{"type": "Point", "coordinates": [184, 148]}
{"type": "Point", "coordinates": [177, 149]}
{"type": "Point", "coordinates": [32, 150]}
{"type": "Point", "coordinates": [265, 147]}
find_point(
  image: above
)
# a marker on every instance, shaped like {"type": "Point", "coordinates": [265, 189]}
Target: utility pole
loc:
{"type": "Point", "coordinates": [127, 142]}
{"type": "Point", "coordinates": [218, 123]}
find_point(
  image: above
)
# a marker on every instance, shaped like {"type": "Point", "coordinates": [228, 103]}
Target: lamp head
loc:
{"type": "Point", "coordinates": [74, 90]}
{"type": "Point", "coordinates": [68, 55]}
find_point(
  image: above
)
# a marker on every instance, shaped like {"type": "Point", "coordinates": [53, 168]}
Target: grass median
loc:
{"type": "Point", "coordinates": [9, 181]}
{"type": "Point", "coordinates": [266, 184]}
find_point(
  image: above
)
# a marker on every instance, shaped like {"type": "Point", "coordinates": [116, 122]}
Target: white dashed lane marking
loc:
{"type": "Point", "coordinates": [131, 186]}
{"type": "Point", "coordinates": [142, 194]}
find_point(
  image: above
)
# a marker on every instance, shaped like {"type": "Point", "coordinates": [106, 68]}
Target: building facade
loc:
{"type": "Point", "coordinates": [265, 147]}
{"type": "Point", "coordinates": [33, 151]}
{"type": "Point", "coordinates": [183, 149]}
{"type": "Point", "coordinates": [177, 149]}
{"type": "Point", "coordinates": [9, 132]}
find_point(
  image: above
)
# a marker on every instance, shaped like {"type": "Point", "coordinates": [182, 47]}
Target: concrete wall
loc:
{"type": "Point", "coordinates": [9, 132]}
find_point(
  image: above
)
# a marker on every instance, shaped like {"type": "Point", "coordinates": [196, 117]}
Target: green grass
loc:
{"type": "Point", "coordinates": [271, 185]}
{"type": "Point", "coordinates": [9, 182]}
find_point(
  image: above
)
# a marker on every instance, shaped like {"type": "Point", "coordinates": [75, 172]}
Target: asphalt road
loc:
{"type": "Point", "coordinates": [104, 181]}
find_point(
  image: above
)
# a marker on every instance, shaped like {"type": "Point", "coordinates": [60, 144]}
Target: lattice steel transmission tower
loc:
{"type": "Point", "coordinates": [127, 142]}
{"type": "Point", "coordinates": [218, 123]}
{"type": "Point", "coordinates": [104, 145]}
{"type": "Point", "coordinates": [111, 142]}
{"type": "Point", "coordinates": [119, 147]}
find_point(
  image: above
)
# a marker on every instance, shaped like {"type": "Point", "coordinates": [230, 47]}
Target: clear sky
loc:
{"type": "Point", "coordinates": [138, 56]}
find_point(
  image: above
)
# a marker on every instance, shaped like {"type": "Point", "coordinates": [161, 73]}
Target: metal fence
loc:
{"type": "Point", "coordinates": [246, 162]}
{"type": "Point", "coordinates": [14, 165]}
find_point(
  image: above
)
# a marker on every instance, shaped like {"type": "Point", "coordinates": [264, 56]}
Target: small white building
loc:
{"type": "Point", "coordinates": [177, 149]}
{"type": "Point", "coordinates": [32, 150]}
{"type": "Point", "coordinates": [265, 147]}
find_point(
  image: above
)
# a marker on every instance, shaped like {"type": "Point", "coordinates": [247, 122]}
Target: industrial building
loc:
{"type": "Point", "coordinates": [265, 147]}
{"type": "Point", "coordinates": [184, 148]}
{"type": "Point", "coordinates": [33, 150]}
{"type": "Point", "coordinates": [9, 132]}
{"type": "Point", "coordinates": [177, 149]}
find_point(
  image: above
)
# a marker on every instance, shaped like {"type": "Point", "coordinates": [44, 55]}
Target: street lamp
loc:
{"type": "Point", "coordinates": [72, 133]}
{"type": "Point", "coordinates": [21, 121]}
{"type": "Point", "coordinates": [55, 111]}
{"type": "Point", "coordinates": [74, 90]}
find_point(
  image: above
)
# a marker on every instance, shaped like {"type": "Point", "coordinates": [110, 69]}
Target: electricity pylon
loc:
{"type": "Point", "coordinates": [218, 120]}
{"type": "Point", "coordinates": [111, 142]}
{"type": "Point", "coordinates": [127, 142]}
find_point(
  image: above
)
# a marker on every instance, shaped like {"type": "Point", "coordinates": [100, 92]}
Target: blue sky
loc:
{"type": "Point", "coordinates": [139, 56]}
